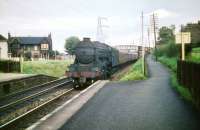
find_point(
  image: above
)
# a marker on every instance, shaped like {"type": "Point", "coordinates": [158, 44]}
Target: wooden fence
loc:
{"type": "Point", "coordinates": [9, 66]}
{"type": "Point", "coordinates": [188, 75]}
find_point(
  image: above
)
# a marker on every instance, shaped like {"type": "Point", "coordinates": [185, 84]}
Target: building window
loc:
{"type": "Point", "coordinates": [35, 48]}
{"type": "Point", "coordinates": [44, 46]}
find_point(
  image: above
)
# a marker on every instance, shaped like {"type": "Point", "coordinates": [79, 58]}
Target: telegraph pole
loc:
{"type": "Point", "coordinates": [148, 33]}
{"type": "Point", "coordinates": [154, 31]}
{"type": "Point", "coordinates": [143, 51]}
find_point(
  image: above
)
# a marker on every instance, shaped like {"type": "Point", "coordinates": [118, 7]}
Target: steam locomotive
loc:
{"type": "Point", "coordinates": [95, 60]}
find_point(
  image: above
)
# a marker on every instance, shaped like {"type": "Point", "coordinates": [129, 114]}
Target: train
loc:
{"type": "Point", "coordinates": [95, 60]}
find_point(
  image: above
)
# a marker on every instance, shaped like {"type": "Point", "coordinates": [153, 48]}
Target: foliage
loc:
{"type": "Point", "coordinates": [167, 46]}
{"type": "Point", "coordinates": [184, 92]}
{"type": "Point", "coordinates": [194, 55]}
{"type": "Point", "coordinates": [172, 64]}
{"type": "Point", "coordinates": [51, 67]}
{"type": "Point", "coordinates": [169, 62]}
{"type": "Point", "coordinates": [27, 55]}
{"type": "Point", "coordinates": [52, 53]}
{"type": "Point", "coordinates": [166, 35]}
{"type": "Point", "coordinates": [168, 55]}
{"type": "Point", "coordinates": [197, 49]}
{"type": "Point", "coordinates": [71, 43]}
{"type": "Point", "coordinates": [194, 28]}
{"type": "Point", "coordinates": [169, 50]}
{"type": "Point", "coordinates": [135, 73]}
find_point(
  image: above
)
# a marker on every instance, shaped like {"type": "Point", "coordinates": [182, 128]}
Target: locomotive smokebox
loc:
{"type": "Point", "coordinates": [86, 39]}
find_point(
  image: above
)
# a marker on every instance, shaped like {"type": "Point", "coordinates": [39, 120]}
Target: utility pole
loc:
{"type": "Point", "coordinates": [55, 54]}
{"type": "Point", "coordinates": [143, 51]}
{"type": "Point", "coordinates": [148, 33]}
{"type": "Point", "coordinates": [154, 31]}
{"type": "Point", "coordinates": [100, 36]}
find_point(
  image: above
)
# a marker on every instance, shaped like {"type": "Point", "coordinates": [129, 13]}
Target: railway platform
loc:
{"type": "Point", "coordinates": [151, 104]}
{"type": "Point", "coordinates": [12, 76]}
{"type": "Point", "coordinates": [14, 82]}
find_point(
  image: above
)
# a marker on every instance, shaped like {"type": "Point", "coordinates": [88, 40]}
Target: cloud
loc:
{"type": "Point", "coordinates": [163, 13]}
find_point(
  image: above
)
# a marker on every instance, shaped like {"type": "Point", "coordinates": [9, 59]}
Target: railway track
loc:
{"type": "Point", "coordinates": [32, 100]}
{"type": "Point", "coordinates": [8, 100]}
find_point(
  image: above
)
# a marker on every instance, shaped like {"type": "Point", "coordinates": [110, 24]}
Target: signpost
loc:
{"type": "Point", "coordinates": [183, 38]}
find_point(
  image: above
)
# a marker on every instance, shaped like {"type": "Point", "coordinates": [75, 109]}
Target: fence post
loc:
{"type": "Point", "coordinates": [198, 87]}
{"type": "Point", "coordinates": [181, 72]}
{"type": "Point", "coordinates": [21, 64]}
{"type": "Point", "coordinates": [178, 74]}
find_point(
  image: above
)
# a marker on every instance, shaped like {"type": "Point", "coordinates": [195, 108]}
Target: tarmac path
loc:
{"type": "Point", "coordinates": [137, 105]}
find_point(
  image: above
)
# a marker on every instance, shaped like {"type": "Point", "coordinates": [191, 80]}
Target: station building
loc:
{"type": "Point", "coordinates": [3, 47]}
{"type": "Point", "coordinates": [30, 47]}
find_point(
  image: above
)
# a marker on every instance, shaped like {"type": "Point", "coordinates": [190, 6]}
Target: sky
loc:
{"type": "Point", "coordinates": [65, 18]}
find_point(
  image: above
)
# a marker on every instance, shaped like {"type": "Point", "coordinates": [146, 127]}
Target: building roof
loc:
{"type": "Point", "coordinates": [2, 38]}
{"type": "Point", "coordinates": [30, 40]}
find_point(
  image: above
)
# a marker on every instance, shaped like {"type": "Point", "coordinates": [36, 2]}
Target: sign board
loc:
{"type": "Point", "coordinates": [183, 37]}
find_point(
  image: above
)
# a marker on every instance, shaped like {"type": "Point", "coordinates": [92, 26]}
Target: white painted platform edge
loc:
{"type": "Point", "coordinates": [33, 127]}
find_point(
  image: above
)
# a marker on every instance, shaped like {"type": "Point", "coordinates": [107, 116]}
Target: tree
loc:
{"type": "Point", "coordinates": [27, 55]}
{"type": "Point", "coordinates": [166, 35]}
{"type": "Point", "coordinates": [167, 42]}
{"type": "Point", "coordinates": [52, 53]}
{"type": "Point", "coordinates": [194, 29]}
{"type": "Point", "coordinates": [71, 43]}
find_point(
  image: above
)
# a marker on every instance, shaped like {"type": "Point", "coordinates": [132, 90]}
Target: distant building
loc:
{"type": "Point", "coordinates": [132, 49]}
{"type": "Point", "coordinates": [30, 47]}
{"type": "Point", "coordinates": [63, 56]}
{"type": "Point", "coordinates": [3, 48]}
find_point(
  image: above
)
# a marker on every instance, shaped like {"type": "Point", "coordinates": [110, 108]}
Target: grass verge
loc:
{"type": "Point", "coordinates": [169, 62]}
{"type": "Point", "coordinates": [172, 64]}
{"type": "Point", "coordinates": [51, 68]}
{"type": "Point", "coordinates": [184, 92]}
{"type": "Point", "coordinates": [135, 72]}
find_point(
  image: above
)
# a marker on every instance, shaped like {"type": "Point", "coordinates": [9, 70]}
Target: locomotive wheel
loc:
{"type": "Point", "coordinates": [104, 76]}
{"type": "Point", "coordinates": [75, 86]}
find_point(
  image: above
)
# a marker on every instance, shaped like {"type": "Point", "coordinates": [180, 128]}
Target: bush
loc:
{"type": "Point", "coordinates": [27, 56]}
{"type": "Point", "coordinates": [169, 50]}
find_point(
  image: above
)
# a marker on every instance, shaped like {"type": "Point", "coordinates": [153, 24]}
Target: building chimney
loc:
{"type": "Point", "coordinates": [49, 35]}
{"type": "Point", "coordinates": [9, 36]}
{"type": "Point", "coordinates": [86, 39]}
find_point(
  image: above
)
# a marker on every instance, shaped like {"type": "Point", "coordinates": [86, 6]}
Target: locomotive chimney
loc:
{"type": "Point", "coordinates": [86, 39]}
